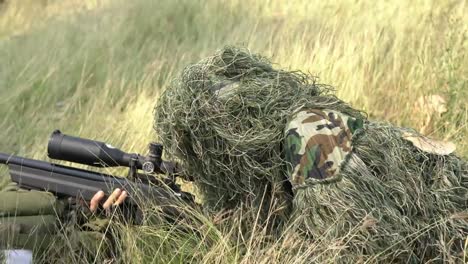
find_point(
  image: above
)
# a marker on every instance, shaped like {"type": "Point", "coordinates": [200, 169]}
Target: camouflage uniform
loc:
{"type": "Point", "coordinates": [32, 219]}
{"type": "Point", "coordinates": [317, 143]}
{"type": "Point", "coordinates": [27, 218]}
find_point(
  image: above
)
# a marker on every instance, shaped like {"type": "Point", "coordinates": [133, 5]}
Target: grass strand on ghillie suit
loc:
{"type": "Point", "coordinates": [394, 202]}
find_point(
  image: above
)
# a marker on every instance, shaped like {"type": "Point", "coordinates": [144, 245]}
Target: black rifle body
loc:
{"type": "Point", "coordinates": [64, 181]}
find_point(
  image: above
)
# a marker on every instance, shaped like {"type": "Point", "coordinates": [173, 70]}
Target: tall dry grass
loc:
{"type": "Point", "coordinates": [95, 69]}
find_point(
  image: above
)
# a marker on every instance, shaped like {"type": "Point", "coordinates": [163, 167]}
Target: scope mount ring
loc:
{"type": "Point", "coordinates": [133, 167]}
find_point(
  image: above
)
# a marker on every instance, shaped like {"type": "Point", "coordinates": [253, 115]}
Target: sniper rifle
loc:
{"type": "Point", "coordinates": [65, 181]}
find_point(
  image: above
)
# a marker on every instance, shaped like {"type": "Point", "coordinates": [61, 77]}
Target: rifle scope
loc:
{"type": "Point", "coordinates": [85, 151]}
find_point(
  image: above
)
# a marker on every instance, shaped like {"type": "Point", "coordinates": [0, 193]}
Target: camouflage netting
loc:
{"type": "Point", "coordinates": [393, 201]}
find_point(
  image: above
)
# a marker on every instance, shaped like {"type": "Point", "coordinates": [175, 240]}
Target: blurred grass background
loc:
{"type": "Point", "coordinates": [94, 68]}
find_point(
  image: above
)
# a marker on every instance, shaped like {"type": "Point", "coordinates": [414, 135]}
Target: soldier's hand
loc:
{"type": "Point", "coordinates": [116, 198]}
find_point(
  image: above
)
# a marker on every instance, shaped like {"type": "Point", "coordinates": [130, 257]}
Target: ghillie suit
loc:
{"type": "Point", "coordinates": [224, 119]}
{"type": "Point", "coordinates": [228, 119]}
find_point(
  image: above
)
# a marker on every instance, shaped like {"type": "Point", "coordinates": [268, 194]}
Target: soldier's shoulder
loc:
{"type": "Point", "coordinates": [317, 119]}
{"type": "Point", "coordinates": [317, 141]}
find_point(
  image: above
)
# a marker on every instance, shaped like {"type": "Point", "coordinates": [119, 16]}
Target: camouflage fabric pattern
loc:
{"type": "Point", "coordinates": [32, 219]}
{"type": "Point", "coordinates": [27, 218]}
{"type": "Point", "coordinates": [317, 142]}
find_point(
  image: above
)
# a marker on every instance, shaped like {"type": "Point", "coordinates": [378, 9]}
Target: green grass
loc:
{"type": "Point", "coordinates": [95, 69]}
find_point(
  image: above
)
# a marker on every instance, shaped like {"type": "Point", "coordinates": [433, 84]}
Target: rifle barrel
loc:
{"type": "Point", "coordinates": [56, 168]}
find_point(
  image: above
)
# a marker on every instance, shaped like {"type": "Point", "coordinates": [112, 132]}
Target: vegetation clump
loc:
{"type": "Point", "coordinates": [224, 118]}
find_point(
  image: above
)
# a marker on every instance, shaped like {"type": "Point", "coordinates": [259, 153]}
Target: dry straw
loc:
{"type": "Point", "coordinates": [394, 202]}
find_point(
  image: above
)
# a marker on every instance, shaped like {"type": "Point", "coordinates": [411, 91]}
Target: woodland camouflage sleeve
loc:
{"type": "Point", "coordinates": [317, 143]}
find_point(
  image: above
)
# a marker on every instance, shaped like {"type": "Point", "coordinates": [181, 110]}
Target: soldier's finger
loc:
{"type": "Point", "coordinates": [121, 198]}
{"type": "Point", "coordinates": [94, 203]}
{"type": "Point", "coordinates": [111, 199]}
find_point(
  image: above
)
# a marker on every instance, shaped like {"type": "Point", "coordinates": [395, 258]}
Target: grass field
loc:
{"type": "Point", "coordinates": [95, 69]}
